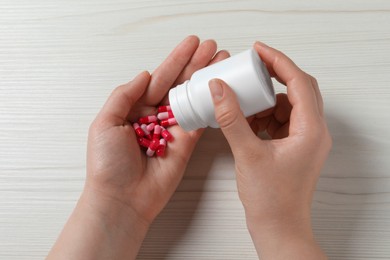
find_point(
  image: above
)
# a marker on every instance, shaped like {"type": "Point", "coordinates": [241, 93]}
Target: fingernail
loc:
{"type": "Point", "coordinates": [216, 89]}
{"type": "Point", "coordinates": [261, 44]}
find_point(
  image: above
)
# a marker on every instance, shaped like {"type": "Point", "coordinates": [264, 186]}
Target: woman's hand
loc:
{"type": "Point", "coordinates": [125, 190]}
{"type": "Point", "coordinates": [276, 178]}
{"type": "Point", "coordinates": [117, 168]}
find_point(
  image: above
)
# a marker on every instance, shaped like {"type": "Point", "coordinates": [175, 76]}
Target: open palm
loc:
{"type": "Point", "coordinates": [117, 168]}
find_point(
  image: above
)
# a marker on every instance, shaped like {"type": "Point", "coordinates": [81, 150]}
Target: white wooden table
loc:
{"type": "Point", "coordinates": [59, 60]}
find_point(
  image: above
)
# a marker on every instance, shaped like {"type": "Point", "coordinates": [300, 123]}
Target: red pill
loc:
{"type": "Point", "coordinates": [150, 127]}
{"type": "Point", "coordinates": [152, 147]}
{"type": "Point", "coordinates": [138, 130]}
{"type": "Point", "coordinates": [166, 135]}
{"type": "Point", "coordinates": [146, 132]}
{"type": "Point", "coordinates": [147, 119]}
{"type": "Point", "coordinates": [154, 144]}
{"type": "Point", "coordinates": [157, 132]}
{"type": "Point", "coordinates": [149, 152]}
{"type": "Point", "coordinates": [161, 148]}
{"type": "Point", "coordinates": [165, 115]}
{"type": "Point", "coordinates": [164, 108]}
{"type": "Point", "coordinates": [143, 142]}
{"type": "Point", "coordinates": [168, 122]}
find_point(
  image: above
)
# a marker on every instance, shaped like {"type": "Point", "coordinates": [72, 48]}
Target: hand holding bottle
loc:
{"type": "Point", "coordinates": [276, 178]}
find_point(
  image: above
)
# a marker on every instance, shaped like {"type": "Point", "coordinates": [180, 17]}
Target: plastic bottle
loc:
{"type": "Point", "coordinates": [245, 73]}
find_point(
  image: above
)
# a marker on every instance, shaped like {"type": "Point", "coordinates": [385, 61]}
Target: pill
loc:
{"type": "Point", "coordinates": [149, 152]}
{"type": "Point", "coordinates": [168, 122]}
{"type": "Point", "coordinates": [164, 108]}
{"type": "Point", "coordinates": [161, 148]}
{"type": "Point", "coordinates": [146, 132]}
{"type": "Point", "coordinates": [147, 119]}
{"type": "Point", "coordinates": [143, 142]}
{"type": "Point", "coordinates": [150, 127]}
{"type": "Point", "coordinates": [157, 132]}
{"type": "Point", "coordinates": [138, 130]}
{"type": "Point", "coordinates": [165, 115]}
{"type": "Point", "coordinates": [152, 147]}
{"type": "Point", "coordinates": [166, 135]}
{"type": "Point", "coordinates": [151, 132]}
{"type": "Point", "coordinates": [154, 144]}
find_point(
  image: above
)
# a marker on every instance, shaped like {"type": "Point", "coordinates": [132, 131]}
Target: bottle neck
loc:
{"type": "Point", "coordinates": [180, 102]}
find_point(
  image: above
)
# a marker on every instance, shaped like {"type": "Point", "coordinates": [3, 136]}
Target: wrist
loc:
{"type": "Point", "coordinates": [113, 213]}
{"type": "Point", "coordinates": [100, 228]}
{"type": "Point", "coordinates": [278, 229]}
{"type": "Point", "coordinates": [118, 228]}
{"type": "Point", "coordinates": [288, 239]}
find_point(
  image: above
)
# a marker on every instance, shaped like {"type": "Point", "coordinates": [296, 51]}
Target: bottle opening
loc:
{"type": "Point", "coordinates": [181, 107]}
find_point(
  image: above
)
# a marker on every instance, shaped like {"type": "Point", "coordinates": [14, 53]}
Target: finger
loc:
{"type": "Point", "coordinates": [230, 117]}
{"type": "Point", "coordinates": [282, 109]}
{"type": "Point", "coordinates": [220, 55]}
{"type": "Point", "coordinates": [122, 99]}
{"type": "Point", "coordinates": [260, 124]}
{"type": "Point", "coordinates": [317, 91]}
{"type": "Point", "coordinates": [282, 131]}
{"type": "Point", "coordinates": [199, 59]}
{"type": "Point", "coordinates": [165, 74]}
{"type": "Point", "coordinates": [299, 87]}
{"type": "Point", "coordinates": [273, 126]}
{"type": "Point", "coordinates": [273, 118]}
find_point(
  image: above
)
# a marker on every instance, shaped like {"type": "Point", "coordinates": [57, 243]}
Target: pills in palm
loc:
{"type": "Point", "coordinates": [152, 133]}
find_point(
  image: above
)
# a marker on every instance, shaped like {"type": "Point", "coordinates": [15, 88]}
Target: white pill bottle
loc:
{"type": "Point", "coordinates": [245, 73]}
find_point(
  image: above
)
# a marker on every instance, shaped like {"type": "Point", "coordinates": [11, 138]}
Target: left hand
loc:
{"type": "Point", "coordinates": [118, 171]}
{"type": "Point", "coordinates": [125, 190]}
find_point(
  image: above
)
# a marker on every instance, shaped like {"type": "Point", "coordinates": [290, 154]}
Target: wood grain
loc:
{"type": "Point", "coordinates": [59, 60]}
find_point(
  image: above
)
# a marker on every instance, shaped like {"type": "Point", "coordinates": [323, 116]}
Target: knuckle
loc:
{"type": "Point", "coordinates": [278, 58]}
{"type": "Point", "coordinates": [319, 134]}
{"type": "Point", "coordinates": [303, 76]}
{"type": "Point", "coordinates": [227, 116]}
{"type": "Point", "coordinates": [160, 79]}
{"type": "Point", "coordinates": [118, 90]}
{"type": "Point", "coordinates": [93, 127]}
{"type": "Point", "coordinates": [312, 79]}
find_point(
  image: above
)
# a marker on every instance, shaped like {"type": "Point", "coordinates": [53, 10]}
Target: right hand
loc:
{"type": "Point", "coordinates": [276, 178]}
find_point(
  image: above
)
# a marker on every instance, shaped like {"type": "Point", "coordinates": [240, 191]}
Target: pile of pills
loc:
{"type": "Point", "coordinates": [152, 133]}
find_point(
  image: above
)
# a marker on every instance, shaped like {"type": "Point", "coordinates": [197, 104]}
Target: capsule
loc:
{"type": "Point", "coordinates": [168, 122]}
{"type": "Point", "coordinates": [164, 108]}
{"type": "Point", "coordinates": [146, 132]}
{"type": "Point", "coordinates": [152, 147]}
{"type": "Point", "coordinates": [165, 115]}
{"type": "Point", "coordinates": [150, 127]}
{"type": "Point", "coordinates": [161, 148]}
{"type": "Point", "coordinates": [139, 132]}
{"type": "Point", "coordinates": [166, 135]}
{"type": "Point", "coordinates": [150, 152]}
{"type": "Point", "coordinates": [143, 142]}
{"type": "Point", "coordinates": [147, 119]}
{"type": "Point", "coordinates": [157, 132]}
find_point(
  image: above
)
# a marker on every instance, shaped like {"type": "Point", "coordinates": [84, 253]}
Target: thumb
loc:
{"type": "Point", "coordinates": [229, 116]}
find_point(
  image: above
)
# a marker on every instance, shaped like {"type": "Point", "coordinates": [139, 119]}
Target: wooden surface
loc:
{"type": "Point", "coordinates": [59, 60]}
